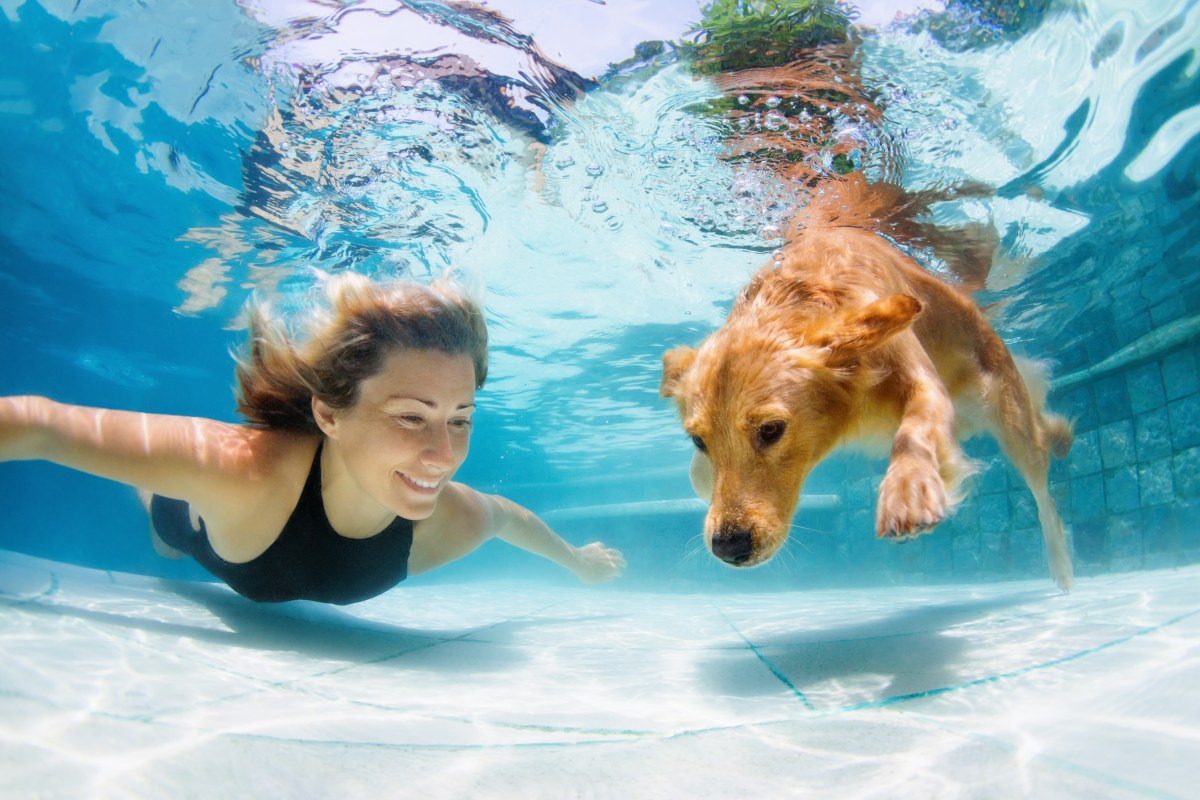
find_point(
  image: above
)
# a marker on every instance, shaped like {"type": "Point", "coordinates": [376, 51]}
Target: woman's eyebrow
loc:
{"type": "Point", "coordinates": [424, 401]}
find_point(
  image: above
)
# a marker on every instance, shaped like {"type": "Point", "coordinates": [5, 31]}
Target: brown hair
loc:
{"type": "Point", "coordinates": [277, 376]}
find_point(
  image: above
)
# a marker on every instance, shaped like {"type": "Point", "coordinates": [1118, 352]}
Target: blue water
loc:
{"type": "Point", "coordinates": [161, 161]}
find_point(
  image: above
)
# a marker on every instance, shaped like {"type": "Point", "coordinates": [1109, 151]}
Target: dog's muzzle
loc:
{"type": "Point", "coordinates": [733, 546]}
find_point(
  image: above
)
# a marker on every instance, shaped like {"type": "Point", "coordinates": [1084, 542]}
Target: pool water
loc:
{"type": "Point", "coordinates": [164, 161]}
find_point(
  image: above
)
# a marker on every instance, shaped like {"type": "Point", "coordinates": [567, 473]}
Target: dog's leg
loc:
{"type": "Point", "coordinates": [926, 461]}
{"type": "Point", "coordinates": [1028, 436]}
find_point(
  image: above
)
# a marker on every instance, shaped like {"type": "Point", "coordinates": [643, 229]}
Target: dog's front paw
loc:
{"type": "Point", "coordinates": [912, 500]}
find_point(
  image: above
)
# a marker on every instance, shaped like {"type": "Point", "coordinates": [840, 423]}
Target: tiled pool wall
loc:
{"type": "Point", "coordinates": [1129, 492]}
{"type": "Point", "coordinates": [1131, 488]}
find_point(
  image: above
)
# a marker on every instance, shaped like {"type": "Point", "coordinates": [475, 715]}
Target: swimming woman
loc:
{"type": "Point", "coordinates": [339, 484]}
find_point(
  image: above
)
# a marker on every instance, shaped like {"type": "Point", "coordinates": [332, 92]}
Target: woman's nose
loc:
{"type": "Point", "coordinates": [438, 449]}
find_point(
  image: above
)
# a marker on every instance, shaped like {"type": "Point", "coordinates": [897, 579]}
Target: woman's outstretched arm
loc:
{"type": "Point", "coordinates": [186, 457]}
{"type": "Point", "coordinates": [520, 527]}
{"type": "Point", "coordinates": [466, 518]}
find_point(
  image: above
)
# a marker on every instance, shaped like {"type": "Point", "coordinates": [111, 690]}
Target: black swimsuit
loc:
{"type": "Point", "coordinates": [309, 560]}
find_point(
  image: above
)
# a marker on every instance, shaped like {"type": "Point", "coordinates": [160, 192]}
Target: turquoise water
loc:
{"type": "Point", "coordinates": [164, 160]}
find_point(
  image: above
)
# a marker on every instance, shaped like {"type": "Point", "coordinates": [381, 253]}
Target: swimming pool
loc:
{"type": "Point", "coordinates": [163, 161]}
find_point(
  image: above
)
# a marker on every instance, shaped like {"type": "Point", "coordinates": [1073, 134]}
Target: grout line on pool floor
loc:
{"type": "Point", "coordinates": [768, 663]}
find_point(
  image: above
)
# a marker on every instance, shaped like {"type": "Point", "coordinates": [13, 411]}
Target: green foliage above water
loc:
{"type": "Point", "coordinates": [742, 34]}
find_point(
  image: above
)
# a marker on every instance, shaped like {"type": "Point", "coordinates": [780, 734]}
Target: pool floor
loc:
{"type": "Point", "coordinates": [116, 685]}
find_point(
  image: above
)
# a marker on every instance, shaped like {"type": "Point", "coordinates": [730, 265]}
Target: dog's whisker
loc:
{"type": "Point", "coordinates": [790, 563]}
{"type": "Point", "coordinates": [794, 542]}
{"type": "Point", "coordinates": [694, 547]}
{"type": "Point", "coordinates": [799, 541]}
{"type": "Point", "coordinates": [797, 526]}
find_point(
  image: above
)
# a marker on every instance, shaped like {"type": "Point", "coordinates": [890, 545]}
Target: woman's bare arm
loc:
{"type": "Point", "coordinates": [520, 527]}
{"type": "Point", "coordinates": [186, 457]}
{"type": "Point", "coordinates": [465, 519]}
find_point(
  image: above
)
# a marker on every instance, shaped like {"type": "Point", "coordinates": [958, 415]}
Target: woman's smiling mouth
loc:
{"type": "Point", "coordinates": [425, 487]}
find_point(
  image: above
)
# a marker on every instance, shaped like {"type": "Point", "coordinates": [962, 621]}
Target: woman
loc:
{"type": "Point", "coordinates": [340, 485]}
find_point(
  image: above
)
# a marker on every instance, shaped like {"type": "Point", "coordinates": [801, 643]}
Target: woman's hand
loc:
{"type": "Point", "coordinates": [595, 563]}
{"type": "Point", "coordinates": [520, 527]}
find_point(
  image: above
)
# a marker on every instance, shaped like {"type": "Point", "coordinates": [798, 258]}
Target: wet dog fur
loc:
{"type": "Point", "coordinates": [846, 339]}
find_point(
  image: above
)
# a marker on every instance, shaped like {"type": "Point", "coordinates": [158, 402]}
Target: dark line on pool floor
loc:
{"type": "Point", "coordinates": [769, 664]}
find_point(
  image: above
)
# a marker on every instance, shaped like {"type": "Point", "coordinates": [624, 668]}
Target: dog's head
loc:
{"type": "Point", "coordinates": [764, 400]}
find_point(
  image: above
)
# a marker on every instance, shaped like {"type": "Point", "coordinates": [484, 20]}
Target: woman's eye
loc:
{"type": "Point", "coordinates": [461, 424]}
{"type": "Point", "coordinates": [696, 440]}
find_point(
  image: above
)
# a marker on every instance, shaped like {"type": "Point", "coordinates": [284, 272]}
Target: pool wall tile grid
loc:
{"type": "Point", "coordinates": [1129, 489]}
{"type": "Point", "coordinates": [1129, 492]}
{"type": "Point", "coordinates": [117, 685]}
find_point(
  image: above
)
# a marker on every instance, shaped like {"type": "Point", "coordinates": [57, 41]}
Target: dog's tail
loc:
{"type": "Point", "coordinates": [1057, 430]}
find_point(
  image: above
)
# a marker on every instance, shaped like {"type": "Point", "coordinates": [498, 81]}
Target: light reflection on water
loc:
{"type": "Point", "coordinates": [410, 140]}
{"type": "Point", "coordinates": [127, 683]}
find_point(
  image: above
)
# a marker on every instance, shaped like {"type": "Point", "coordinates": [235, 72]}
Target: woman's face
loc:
{"type": "Point", "coordinates": [410, 429]}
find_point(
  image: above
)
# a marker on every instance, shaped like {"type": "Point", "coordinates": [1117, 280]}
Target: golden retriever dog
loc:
{"type": "Point", "coordinates": [846, 339]}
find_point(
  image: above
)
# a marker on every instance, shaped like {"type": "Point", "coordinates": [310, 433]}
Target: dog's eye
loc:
{"type": "Point", "coordinates": [696, 440]}
{"type": "Point", "coordinates": [769, 432]}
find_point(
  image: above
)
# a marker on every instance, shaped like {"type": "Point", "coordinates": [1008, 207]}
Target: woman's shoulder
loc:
{"type": "Point", "coordinates": [278, 455]}
{"type": "Point", "coordinates": [258, 493]}
{"type": "Point", "coordinates": [252, 464]}
{"type": "Point", "coordinates": [459, 507]}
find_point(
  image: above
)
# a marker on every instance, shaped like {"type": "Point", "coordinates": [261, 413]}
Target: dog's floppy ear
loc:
{"type": "Point", "coordinates": [871, 326]}
{"type": "Point", "coordinates": [675, 363]}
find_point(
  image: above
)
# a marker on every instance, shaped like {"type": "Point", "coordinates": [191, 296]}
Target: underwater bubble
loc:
{"type": "Point", "coordinates": [775, 121]}
{"type": "Point", "coordinates": [599, 206]}
{"type": "Point", "coordinates": [743, 99]}
{"type": "Point", "coordinates": [428, 88]}
{"type": "Point", "coordinates": [773, 102]}
{"type": "Point", "coordinates": [562, 162]}
{"type": "Point", "coordinates": [595, 170]}
{"type": "Point", "coordinates": [768, 232]}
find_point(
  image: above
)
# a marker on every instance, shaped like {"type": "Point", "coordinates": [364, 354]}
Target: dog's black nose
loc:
{"type": "Point", "coordinates": [733, 547]}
